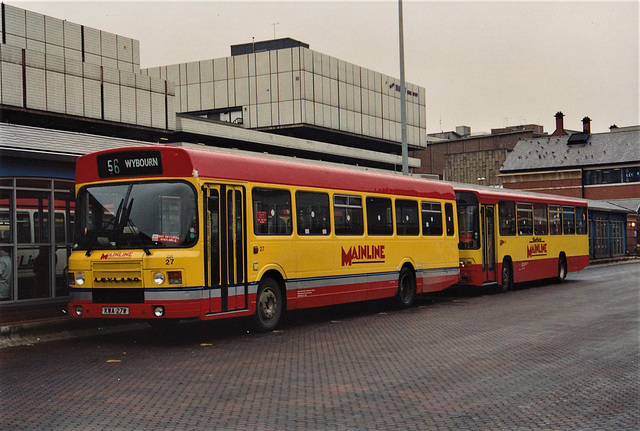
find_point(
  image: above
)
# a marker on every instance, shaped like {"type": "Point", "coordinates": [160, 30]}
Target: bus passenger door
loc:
{"type": "Point", "coordinates": [226, 244]}
{"type": "Point", "coordinates": [488, 244]}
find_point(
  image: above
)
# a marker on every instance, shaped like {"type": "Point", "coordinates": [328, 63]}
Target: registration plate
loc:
{"type": "Point", "coordinates": [115, 310]}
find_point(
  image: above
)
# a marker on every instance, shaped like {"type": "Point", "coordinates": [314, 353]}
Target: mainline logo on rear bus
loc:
{"type": "Point", "coordinates": [363, 254]}
{"type": "Point", "coordinates": [536, 247]}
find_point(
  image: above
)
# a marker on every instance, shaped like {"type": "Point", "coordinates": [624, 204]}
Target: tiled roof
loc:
{"type": "Point", "coordinates": [553, 152]}
{"type": "Point", "coordinates": [59, 142]}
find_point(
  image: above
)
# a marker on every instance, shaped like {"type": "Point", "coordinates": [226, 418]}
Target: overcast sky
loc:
{"type": "Point", "coordinates": [484, 64]}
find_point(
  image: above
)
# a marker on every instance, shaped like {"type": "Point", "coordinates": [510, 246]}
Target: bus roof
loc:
{"type": "Point", "coordinates": [190, 162]}
{"type": "Point", "coordinates": [494, 194]}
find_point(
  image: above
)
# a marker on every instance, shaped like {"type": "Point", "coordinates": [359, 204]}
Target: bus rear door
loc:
{"type": "Point", "coordinates": [226, 245]}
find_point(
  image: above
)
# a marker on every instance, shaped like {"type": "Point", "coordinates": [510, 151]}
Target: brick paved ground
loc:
{"type": "Point", "coordinates": [556, 357]}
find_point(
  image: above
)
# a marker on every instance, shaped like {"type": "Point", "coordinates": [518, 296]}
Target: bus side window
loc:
{"type": "Point", "coordinates": [555, 219]}
{"type": "Point", "coordinates": [271, 212]}
{"type": "Point", "coordinates": [525, 218]}
{"type": "Point", "coordinates": [379, 216]}
{"type": "Point", "coordinates": [507, 218]}
{"type": "Point", "coordinates": [431, 219]}
{"type": "Point", "coordinates": [407, 220]}
{"type": "Point", "coordinates": [313, 213]}
{"type": "Point", "coordinates": [568, 220]}
{"type": "Point", "coordinates": [581, 220]}
{"type": "Point", "coordinates": [348, 215]}
{"type": "Point", "coordinates": [448, 212]}
{"type": "Point", "coordinates": [540, 219]}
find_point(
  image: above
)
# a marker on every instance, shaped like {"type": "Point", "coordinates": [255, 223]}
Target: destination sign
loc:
{"type": "Point", "coordinates": [129, 164]}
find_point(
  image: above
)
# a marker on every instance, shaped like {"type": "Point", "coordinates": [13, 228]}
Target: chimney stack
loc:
{"type": "Point", "coordinates": [559, 125]}
{"type": "Point", "coordinates": [586, 125]}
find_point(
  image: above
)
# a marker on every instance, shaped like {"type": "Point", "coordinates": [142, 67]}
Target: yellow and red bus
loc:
{"type": "Point", "coordinates": [509, 237]}
{"type": "Point", "coordinates": [166, 233]}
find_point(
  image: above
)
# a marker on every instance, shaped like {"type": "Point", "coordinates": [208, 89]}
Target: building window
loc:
{"type": "Point", "coordinates": [611, 176]}
{"type": "Point", "coordinates": [36, 229]}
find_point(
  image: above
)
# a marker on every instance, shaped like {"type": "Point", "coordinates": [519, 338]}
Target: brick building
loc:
{"type": "Point", "coordinates": [599, 166]}
{"type": "Point", "coordinates": [475, 159]}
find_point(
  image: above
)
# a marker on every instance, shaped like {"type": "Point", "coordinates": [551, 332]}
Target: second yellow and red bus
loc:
{"type": "Point", "coordinates": [510, 236]}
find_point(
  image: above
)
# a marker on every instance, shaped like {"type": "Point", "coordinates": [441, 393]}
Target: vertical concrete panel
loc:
{"type": "Point", "coordinates": [128, 109]}
{"type": "Point", "coordinates": [92, 41]}
{"type": "Point", "coordinates": [36, 89]}
{"type": "Point", "coordinates": [242, 91]}
{"type": "Point", "coordinates": [263, 65]}
{"type": "Point", "coordinates": [206, 71]}
{"type": "Point", "coordinates": [206, 96]}
{"type": "Point", "coordinates": [136, 55]}
{"type": "Point", "coordinates": [15, 21]}
{"type": "Point", "coordinates": [342, 95]}
{"type": "Point", "coordinates": [241, 67]}
{"type": "Point", "coordinates": [335, 118]}
{"type": "Point", "coordinates": [263, 90]}
{"type": "Point", "coordinates": [231, 84]}
{"type": "Point", "coordinates": [72, 36]}
{"type": "Point", "coordinates": [193, 72]}
{"type": "Point", "coordinates": [35, 26]}
{"type": "Point", "coordinates": [171, 110]}
{"type": "Point", "coordinates": [220, 69]}
{"type": "Point", "coordinates": [109, 47]}
{"type": "Point", "coordinates": [317, 88]}
{"type": "Point", "coordinates": [143, 107]}
{"type": "Point", "coordinates": [112, 102]}
{"type": "Point", "coordinates": [125, 49]}
{"type": "Point", "coordinates": [333, 92]}
{"type": "Point", "coordinates": [158, 118]}
{"type": "Point", "coordinates": [264, 115]}
{"type": "Point", "coordinates": [55, 91]}
{"type": "Point", "coordinates": [53, 31]}
{"type": "Point", "coordinates": [285, 63]}
{"type": "Point", "coordinates": [285, 114]}
{"type": "Point", "coordinates": [273, 91]}
{"type": "Point", "coordinates": [220, 94]}
{"type": "Point", "coordinates": [36, 45]}
{"type": "Point", "coordinates": [309, 90]}
{"type": "Point", "coordinates": [109, 63]}
{"type": "Point", "coordinates": [297, 112]}
{"type": "Point", "coordinates": [92, 99]}
{"type": "Point", "coordinates": [16, 41]}
{"type": "Point", "coordinates": [193, 98]}
{"type": "Point", "coordinates": [74, 94]}
{"type": "Point", "coordinates": [173, 74]}
{"type": "Point", "coordinates": [182, 98]}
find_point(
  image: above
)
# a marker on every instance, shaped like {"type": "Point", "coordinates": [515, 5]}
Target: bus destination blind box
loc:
{"type": "Point", "coordinates": [129, 164]}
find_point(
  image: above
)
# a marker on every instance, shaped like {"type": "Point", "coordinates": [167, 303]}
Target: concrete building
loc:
{"type": "Point", "coordinates": [283, 87]}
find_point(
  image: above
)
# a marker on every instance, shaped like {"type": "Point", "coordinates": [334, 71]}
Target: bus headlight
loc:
{"type": "Point", "coordinates": [78, 311]}
{"type": "Point", "coordinates": [158, 278]}
{"type": "Point", "coordinates": [79, 279]}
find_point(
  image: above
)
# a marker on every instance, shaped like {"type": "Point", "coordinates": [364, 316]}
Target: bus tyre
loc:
{"type": "Point", "coordinates": [268, 305]}
{"type": "Point", "coordinates": [406, 288]}
{"type": "Point", "coordinates": [507, 277]}
{"type": "Point", "coordinates": [562, 269]}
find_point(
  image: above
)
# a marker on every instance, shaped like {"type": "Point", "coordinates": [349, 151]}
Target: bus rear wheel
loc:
{"type": "Point", "coordinates": [268, 305]}
{"type": "Point", "coordinates": [507, 277]}
{"type": "Point", "coordinates": [406, 288]}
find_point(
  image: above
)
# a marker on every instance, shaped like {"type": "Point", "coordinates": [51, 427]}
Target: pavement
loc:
{"type": "Point", "coordinates": [65, 327]}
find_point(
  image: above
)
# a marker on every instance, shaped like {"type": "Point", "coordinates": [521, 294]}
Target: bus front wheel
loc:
{"type": "Point", "coordinates": [507, 277]}
{"type": "Point", "coordinates": [406, 288]}
{"type": "Point", "coordinates": [268, 305]}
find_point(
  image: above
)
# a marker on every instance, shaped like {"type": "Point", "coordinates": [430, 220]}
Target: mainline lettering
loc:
{"type": "Point", "coordinates": [362, 254]}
